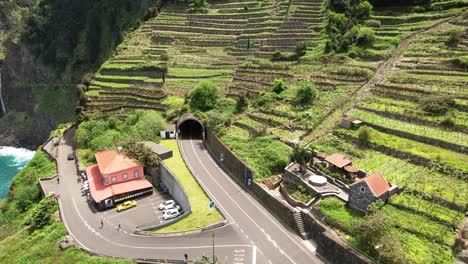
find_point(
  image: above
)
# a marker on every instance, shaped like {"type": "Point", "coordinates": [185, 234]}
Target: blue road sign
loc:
{"type": "Point", "coordinates": [212, 204]}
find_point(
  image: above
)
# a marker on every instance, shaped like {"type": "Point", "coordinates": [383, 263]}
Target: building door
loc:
{"type": "Point", "coordinates": [108, 202]}
{"type": "Point", "coordinates": [168, 134]}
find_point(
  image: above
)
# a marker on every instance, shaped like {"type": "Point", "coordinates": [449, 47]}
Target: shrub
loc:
{"type": "Point", "coordinates": [198, 6]}
{"type": "Point", "coordinates": [147, 157]}
{"type": "Point", "coordinates": [364, 137]}
{"type": "Point", "coordinates": [305, 93]}
{"type": "Point", "coordinates": [365, 37]}
{"type": "Point", "coordinates": [204, 97]}
{"type": "Point", "coordinates": [370, 231]}
{"type": "Point", "coordinates": [455, 37]}
{"type": "Point", "coordinates": [266, 98]}
{"type": "Point", "coordinates": [437, 104]}
{"type": "Point", "coordinates": [461, 61]}
{"type": "Point", "coordinates": [418, 9]}
{"type": "Point", "coordinates": [373, 23]}
{"type": "Point", "coordinates": [164, 57]}
{"type": "Point", "coordinates": [278, 86]}
{"type": "Point", "coordinates": [41, 214]}
{"type": "Point", "coordinates": [241, 103]}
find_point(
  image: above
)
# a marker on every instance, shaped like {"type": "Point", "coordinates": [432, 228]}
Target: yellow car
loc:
{"type": "Point", "coordinates": [126, 205]}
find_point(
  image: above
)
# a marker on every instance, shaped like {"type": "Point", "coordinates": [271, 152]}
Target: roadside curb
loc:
{"type": "Point", "coordinates": [181, 233]}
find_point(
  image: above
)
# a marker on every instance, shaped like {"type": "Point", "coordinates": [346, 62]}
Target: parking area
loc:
{"type": "Point", "coordinates": [144, 212]}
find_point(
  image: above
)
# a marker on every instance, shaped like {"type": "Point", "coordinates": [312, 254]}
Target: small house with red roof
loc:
{"type": "Point", "coordinates": [116, 178]}
{"type": "Point", "coordinates": [365, 191]}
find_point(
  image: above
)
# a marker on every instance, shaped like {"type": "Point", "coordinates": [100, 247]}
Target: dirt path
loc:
{"type": "Point", "coordinates": [381, 74]}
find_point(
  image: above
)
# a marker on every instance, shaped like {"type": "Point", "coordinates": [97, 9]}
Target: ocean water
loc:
{"type": "Point", "coordinates": [12, 160]}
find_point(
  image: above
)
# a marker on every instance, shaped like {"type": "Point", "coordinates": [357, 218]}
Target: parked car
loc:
{"type": "Point", "coordinates": [71, 157]}
{"type": "Point", "coordinates": [83, 176]}
{"type": "Point", "coordinates": [172, 206]}
{"type": "Point", "coordinates": [171, 213]}
{"type": "Point", "coordinates": [126, 205]}
{"type": "Point", "coordinates": [166, 204]}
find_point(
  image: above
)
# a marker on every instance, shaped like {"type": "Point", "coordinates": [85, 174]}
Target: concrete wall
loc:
{"type": "Point", "coordinates": [236, 168]}
{"type": "Point", "coordinates": [328, 246]}
{"type": "Point", "coordinates": [175, 188]}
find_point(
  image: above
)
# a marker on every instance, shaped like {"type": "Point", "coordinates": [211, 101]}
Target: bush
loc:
{"type": "Point", "coordinates": [41, 214]}
{"type": "Point", "coordinates": [241, 103]}
{"type": "Point", "coordinates": [204, 97]}
{"type": "Point", "coordinates": [418, 9]}
{"type": "Point", "coordinates": [198, 6]}
{"type": "Point", "coordinates": [461, 61]}
{"type": "Point", "coordinates": [364, 137]}
{"type": "Point", "coordinates": [278, 86]}
{"type": "Point", "coordinates": [373, 23]}
{"type": "Point", "coordinates": [455, 37]}
{"type": "Point", "coordinates": [437, 104]}
{"type": "Point", "coordinates": [266, 98]}
{"type": "Point", "coordinates": [305, 93]}
{"type": "Point", "coordinates": [365, 37]}
{"type": "Point", "coordinates": [164, 57]}
{"type": "Point", "coordinates": [147, 157]}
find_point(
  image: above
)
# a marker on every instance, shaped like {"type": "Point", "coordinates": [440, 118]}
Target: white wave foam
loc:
{"type": "Point", "coordinates": [21, 155]}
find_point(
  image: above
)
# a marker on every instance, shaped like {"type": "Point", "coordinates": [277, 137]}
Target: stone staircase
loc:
{"type": "Point", "coordinates": [300, 225]}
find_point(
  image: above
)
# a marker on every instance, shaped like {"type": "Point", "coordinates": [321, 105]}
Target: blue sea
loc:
{"type": "Point", "coordinates": [12, 160]}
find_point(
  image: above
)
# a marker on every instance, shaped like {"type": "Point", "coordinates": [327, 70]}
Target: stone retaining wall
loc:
{"type": "Point", "coordinates": [329, 246]}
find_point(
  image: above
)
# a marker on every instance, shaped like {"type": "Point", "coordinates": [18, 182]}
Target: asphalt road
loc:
{"type": "Point", "coordinates": [253, 235]}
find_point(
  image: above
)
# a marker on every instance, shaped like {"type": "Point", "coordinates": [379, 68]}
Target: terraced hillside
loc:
{"type": "Point", "coordinates": [423, 152]}
{"type": "Point", "coordinates": [171, 53]}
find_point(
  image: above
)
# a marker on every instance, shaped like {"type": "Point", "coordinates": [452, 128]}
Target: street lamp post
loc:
{"type": "Point", "coordinates": [213, 236]}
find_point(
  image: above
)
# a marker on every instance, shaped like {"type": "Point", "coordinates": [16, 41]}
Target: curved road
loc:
{"type": "Point", "coordinates": [252, 235]}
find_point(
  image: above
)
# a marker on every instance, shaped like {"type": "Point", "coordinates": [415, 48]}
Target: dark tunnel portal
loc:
{"type": "Point", "coordinates": [191, 129]}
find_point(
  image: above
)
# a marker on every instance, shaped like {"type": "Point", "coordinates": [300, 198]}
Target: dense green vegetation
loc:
{"type": "Point", "coordinates": [96, 134]}
{"type": "Point", "coordinates": [93, 31]}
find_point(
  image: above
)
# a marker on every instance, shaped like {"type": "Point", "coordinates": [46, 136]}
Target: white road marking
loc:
{"type": "Point", "coordinates": [216, 182]}
{"type": "Point", "coordinates": [203, 184]}
{"type": "Point", "coordinates": [294, 239]}
{"type": "Point", "coordinates": [254, 257]}
{"type": "Point", "coordinates": [142, 247]}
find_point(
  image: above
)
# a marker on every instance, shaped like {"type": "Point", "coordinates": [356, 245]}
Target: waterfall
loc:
{"type": "Point", "coordinates": [2, 105]}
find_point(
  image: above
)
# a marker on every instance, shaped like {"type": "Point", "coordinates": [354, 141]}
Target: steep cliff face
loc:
{"type": "Point", "coordinates": [59, 43]}
{"type": "Point", "coordinates": [25, 124]}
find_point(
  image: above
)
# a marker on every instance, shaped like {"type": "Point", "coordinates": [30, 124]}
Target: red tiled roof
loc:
{"type": "Point", "coordinates": [339, 160]}
{"type": "Point", "coordinates": [377, 184]}
{"type": "Point", "coordinates": [110, 161]}
{"type": "Point", "coordinates": [322, 155]}
{"type": "Point", "coordinates": [100, 192]}
{"type": "Point", "coordinates": [351, 169]}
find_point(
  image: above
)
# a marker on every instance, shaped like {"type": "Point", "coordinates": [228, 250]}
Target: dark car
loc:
{"type": "Point", "coordinates": [71, 157]}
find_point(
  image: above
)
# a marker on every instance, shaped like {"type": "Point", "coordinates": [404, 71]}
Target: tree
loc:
{"type": "Point", "coordinates": [391, 251]}
{"type": "Point", "coordinates": [278, 86]}
{"type": "Point", "coordinates": [306, 92]}
{"type": "Point", "coordinates": [343, 30]}
{"type": "Point", "coordinates": [204, 96]}
{"type": "Point", "coordinates": [364, 137]}
{"type": "Point", "coordinates": [149, 126]}
{"type": "Point", "coordinates": [138, 151]}
{"type": "Point", "coordinates": [370, 231]}
{"type": "Point", "coordinates": [301, 156]}
{"type": "Point", "coordinates": [241, 103]}
{"type": "Point", "coordinates": [198, 6]}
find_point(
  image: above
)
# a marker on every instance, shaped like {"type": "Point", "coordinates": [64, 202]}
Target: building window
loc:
{"type": "Point", "coordinates": [362, 189]}
{"type": "Point", "coordinates": [114, 179]}
{"type": "Point", "coordinates": [136, 173]}
{"type": "Point", "coordinates": [105, 180]}
{"type": "Point", "coordinates": [125, 176]}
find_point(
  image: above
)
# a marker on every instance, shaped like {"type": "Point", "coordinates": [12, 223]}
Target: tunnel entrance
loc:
{"type": "Point", "coordinates": [190, 127]}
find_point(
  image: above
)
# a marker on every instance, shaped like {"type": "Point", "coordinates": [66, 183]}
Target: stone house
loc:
{"type": "Point", "coordinates": [368, 190]}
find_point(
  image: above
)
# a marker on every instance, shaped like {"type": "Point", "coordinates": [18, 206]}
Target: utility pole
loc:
{"type": "Point", "coordinates": [213, 236]}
